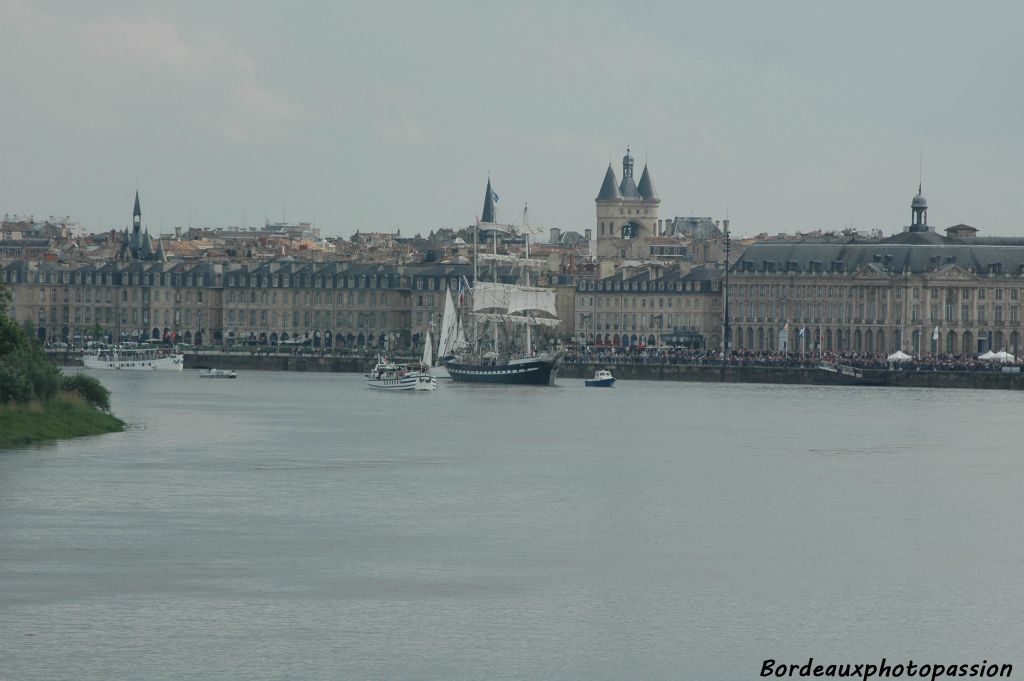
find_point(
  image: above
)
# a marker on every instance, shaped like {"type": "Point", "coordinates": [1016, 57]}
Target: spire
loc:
{"type": "Point", "coordinates": [610, 187]}
{"type": "Point", "coordinates": [136, 219]}
{"type": "Point", "coordinates": [489, 198]}
{"type": "Point", "coordinates": [138, 207]}
{"type": "Point", "coordinates": [646, 187]}
{"type": "Point", "coordinates": [160, 256]}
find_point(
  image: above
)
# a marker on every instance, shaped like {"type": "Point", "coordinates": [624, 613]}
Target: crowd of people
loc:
{"type": "Point", "coordinates": [699, 357]}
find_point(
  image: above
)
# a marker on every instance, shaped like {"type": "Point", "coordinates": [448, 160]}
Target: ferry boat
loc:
{"type": "Point", "coordinates": [389, 376]}
{"type": "Point", "coordinates": [135, 359]}
{"type": "Point", "coordinates": [602, 379]}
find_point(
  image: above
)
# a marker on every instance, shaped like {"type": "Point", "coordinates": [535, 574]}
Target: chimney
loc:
{"type": "Point", "coordinates": [177, 232]}
{"type": "Point", "coordinates": [556, 235]}
{"type": "Point", "coordinates": [725, 225]}
{"type": "Point", "coordinates": [588, 233]}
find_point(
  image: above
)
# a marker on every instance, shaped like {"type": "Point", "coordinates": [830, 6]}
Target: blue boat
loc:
{"type": "Point", "coordinates": [602, 379]}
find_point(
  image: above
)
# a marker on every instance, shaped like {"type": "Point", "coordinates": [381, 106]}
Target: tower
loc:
{"type": "Point", "coordinates": [919, 212]}
{"type": "Point", "coordinates": [627, 213]}
{"type": "Point", "coordinates": [136, 217]}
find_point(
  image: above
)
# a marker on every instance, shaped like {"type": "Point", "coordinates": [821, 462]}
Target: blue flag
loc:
{"type": "Point", "coordinates": [494, 196]}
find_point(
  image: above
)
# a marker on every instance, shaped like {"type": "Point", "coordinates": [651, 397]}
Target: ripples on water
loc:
{"type": "Point", "coordinates": [302, 526]}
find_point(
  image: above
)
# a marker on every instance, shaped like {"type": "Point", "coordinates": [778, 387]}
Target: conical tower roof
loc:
{"type": "Point", "coordinates": [628, 190]}
{"type": "Point", "coordinates": [488, 213]}
{"type": "Point", "coordinates": [646, 187]}
{"type": "Point", "coordinates": [609, 188]}
{"type": "Point", "coordinates": [138, 206]}
{"type": "Point", "coordinates": [160, 256]}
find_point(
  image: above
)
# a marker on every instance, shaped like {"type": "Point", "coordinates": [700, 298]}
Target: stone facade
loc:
{"type": "Point", "coordinates": [322, 305]}
{"type": "Point", "coordinates": [917, 291]}
{"type": "Point", "coordinates": [650, 307]}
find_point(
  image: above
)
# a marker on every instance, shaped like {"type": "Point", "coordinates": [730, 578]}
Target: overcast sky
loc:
{"type": "Point", "coordinates": [373, 116]}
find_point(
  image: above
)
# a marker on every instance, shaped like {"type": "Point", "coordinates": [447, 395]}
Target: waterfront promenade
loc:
{"type": "Point", "coordinates": [924, 372]}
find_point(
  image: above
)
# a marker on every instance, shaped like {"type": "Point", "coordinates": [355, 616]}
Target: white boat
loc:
{"type": "Point", "coordinates": [217, 373]}
{"type": "Point", "coordinates": [602, 379]}
{"type": "Point", "coordinates": [390, 376]}
{"type": "Point", "coordinates": [135, 359]}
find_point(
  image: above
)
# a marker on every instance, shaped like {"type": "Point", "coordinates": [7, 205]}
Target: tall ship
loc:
{"type": "Point", "coordinates": [135, 359]}
{"type": "Point", "coordinates": [501, 318]}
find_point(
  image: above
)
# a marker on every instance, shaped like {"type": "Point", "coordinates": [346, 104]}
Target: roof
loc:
{"type": "Point", "coordinates": [646, 187]}
{"type": "Point", "coordinates": [628, 190]}
{"type": "Point", "coordinates": [609, 188]}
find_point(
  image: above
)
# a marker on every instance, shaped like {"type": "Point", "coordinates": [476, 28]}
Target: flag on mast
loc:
{"type": "Point", "coordinates": [935, 333]}
{"type": "Point", "coordinates": [462, 291]}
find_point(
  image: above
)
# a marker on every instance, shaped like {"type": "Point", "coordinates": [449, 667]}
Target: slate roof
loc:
{"type": "Point", "coordinates": [646, 187]}
{"type": "Point", "coordinates": [609, 188]}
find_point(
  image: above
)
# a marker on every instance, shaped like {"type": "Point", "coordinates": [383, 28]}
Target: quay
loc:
{"type": "Point", "coordinates": [623, 370]}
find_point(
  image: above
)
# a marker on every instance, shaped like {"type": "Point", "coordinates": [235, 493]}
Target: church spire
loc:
{"type": "Point", "coordinates": [137, 214]}
{"type": "Point", "coordinates": [490, 198]}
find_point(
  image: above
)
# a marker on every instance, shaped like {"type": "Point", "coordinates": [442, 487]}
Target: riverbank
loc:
{"type": "Point", "coordinates": [903, 378]}
{"type": "Point", "coordinates": [65, 416]}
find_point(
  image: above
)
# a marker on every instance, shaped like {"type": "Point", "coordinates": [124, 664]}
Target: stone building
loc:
{"type": "Point", "coordinates": [916, 291]}
{"type": "Point", "coordinates": [627, 214]}
{"type": "Point", "coordinates": [650, 307]}
{"type": "Point", "coordinates": [321, 305]}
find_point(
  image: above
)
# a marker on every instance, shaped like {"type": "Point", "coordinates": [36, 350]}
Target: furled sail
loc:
{"type": "Point", "coordinates": [516, 319]}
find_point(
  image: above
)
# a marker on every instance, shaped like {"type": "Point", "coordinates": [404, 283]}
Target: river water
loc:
{"type": "Point", "coordinates": [303, 526]}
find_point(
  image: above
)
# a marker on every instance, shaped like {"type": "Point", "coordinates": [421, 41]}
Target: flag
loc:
{"type": "Point", "coordinates": [494, 196]}
{"type": "Point", "coordinates": [935, 333]}
{"type": "Point", "coordinates": [801, 334]}
{"type": "Point", "coordinates": [462, 291]}
{"type": "Point", "coordinates": [786, 327]}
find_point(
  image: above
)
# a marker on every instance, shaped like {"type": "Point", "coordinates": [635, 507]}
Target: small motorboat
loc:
{"type": "Point", "coordinates": [217, 373]}
{"type": "Point", "coordinates": [602, 379]}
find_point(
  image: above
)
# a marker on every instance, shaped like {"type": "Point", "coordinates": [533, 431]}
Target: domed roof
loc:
{"type": "Point", "coordinates": [628, 158]}
{"type": "Point", "coordinates": [919, 200]}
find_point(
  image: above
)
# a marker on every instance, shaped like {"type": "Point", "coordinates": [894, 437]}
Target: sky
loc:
{"type": "Point", "coordinates": [785, 116]}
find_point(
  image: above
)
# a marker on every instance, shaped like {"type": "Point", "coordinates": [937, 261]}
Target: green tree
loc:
{"type": "Point", "coordinates": [25, 372]}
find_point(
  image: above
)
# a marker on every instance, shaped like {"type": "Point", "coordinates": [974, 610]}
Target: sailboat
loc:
{"type": "Point", "coordinates": [503, 317]}
{"type": "Point", "coordinates": [389, 376]}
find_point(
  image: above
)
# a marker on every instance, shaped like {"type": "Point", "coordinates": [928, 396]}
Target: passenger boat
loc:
{"type": "Point", "coordinates": [390, 376]}
{"type": "Point", "coordinates": [602, 379]}
{"type": "Point", "coordinates": [135, 359]}
{"type": "Point", "coordinates": [217, 373]}
{"type": "Point", "coordinates": [844, 374]}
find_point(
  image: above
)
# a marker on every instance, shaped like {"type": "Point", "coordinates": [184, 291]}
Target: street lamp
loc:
{"type": "Point", "coordinates": [726, 330]}
{"type": "Point", "coordinates": [585, 320]}
{"type": "Point", "coordinates": [661, 322]}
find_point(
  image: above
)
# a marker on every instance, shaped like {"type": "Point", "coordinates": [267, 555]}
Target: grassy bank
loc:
{"type": "Point", "coordinates": [66, 415]}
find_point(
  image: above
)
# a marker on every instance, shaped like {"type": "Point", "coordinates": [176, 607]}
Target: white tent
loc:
{"type": "Point", "coordinates": [898, 356]}
{"type": "Point", "coordinates": [1004, 356]}
{"type": "Point", "coordinates": [987, 355]}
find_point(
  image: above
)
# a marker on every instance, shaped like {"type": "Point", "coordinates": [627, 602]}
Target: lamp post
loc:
{"type": "Point", "coordinates": [585, 320]}
{"type": "Point", "coordinates": [726, 330]}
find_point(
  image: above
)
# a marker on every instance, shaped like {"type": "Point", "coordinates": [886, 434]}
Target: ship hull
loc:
{"type": "Point", "coordinates": [519, 372]}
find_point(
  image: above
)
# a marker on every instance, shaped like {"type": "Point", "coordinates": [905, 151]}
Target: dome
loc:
{"type": "Point", "coordinates": [919, 202]}
{"type": "Point", "coordinates": [627, 160]}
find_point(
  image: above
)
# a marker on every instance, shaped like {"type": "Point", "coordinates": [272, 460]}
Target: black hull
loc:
{"type": "Point", "coordinates": [537, 372]}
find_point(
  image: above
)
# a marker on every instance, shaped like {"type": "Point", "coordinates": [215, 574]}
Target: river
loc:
{"type": "Point", "coordinates": [303, 526]}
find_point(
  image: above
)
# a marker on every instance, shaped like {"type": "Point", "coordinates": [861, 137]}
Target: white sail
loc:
{"type": "Point", "coordinates": [428, 351]}
{"type": "Point", "coordinates": [449, 324]}
{"type": "Point", "coordinates": [514, 260]}
{"type": "Point", "coordinates": [539, 299]}
{"type": "Point", "coordinates": [491, 296]}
